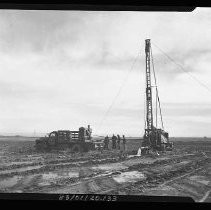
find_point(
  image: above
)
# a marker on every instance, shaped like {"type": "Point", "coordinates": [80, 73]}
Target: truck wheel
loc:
{"type": "Point", "coordinates": [86, 149]}
{"type": "Point", "coordinates": [41, 147]}
{"type": "Point", "coordinates": [51, 141]}
{"type": "Point", "coordinates": [77, 148]}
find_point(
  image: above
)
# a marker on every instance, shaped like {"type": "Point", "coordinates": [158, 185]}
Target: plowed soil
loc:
{"type": "Point", "coordinates": [185, 171]}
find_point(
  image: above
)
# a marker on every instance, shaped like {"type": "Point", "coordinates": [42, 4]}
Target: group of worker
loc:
{"type": "Point", "coordinates": [116, 140]}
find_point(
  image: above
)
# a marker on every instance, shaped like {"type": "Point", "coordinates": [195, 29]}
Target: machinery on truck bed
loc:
{"type": "Point", "coordinates": [76, 141]}
{"type": "Point", "coordinates": [154, 138]}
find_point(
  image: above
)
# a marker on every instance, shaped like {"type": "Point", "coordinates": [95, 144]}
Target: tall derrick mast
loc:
{"type": "Point", "coordinates": [154, 138]}
{"type": "Point", "coordinates": [149, 114]}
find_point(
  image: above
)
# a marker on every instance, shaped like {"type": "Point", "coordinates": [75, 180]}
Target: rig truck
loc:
{"type": "Point", "coordinates": [75, 141]}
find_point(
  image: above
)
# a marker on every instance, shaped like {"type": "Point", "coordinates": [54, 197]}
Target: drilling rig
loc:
{"type": "Point", "coordinates": [155, 139]}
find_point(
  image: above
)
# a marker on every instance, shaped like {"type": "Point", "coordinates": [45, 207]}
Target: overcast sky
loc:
{"type": "Point", "coordinates": [63, 69]}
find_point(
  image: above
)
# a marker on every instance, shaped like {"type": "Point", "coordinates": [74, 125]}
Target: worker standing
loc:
{"type": "Point", "coordinates": [106, 142]}
{"type": "Point", "coordinates": [115, 141]}
{"type": "Point", "coordinates": [118, 141]}
{"type": "Point", "coordinates": [114, 138]}
{"type": "Point", "coordinates": [124, 142]}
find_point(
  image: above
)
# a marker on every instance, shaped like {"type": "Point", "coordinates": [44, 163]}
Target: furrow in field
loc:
{"type": "Point", "coordinates": [124, 178]}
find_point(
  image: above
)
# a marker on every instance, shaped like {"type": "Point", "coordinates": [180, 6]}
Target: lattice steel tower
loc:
{"type": "Point", "coordinates": [149, 115]}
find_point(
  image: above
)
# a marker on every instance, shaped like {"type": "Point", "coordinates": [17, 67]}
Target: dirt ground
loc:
{"type": "Point", "coordinates": [186, 171]}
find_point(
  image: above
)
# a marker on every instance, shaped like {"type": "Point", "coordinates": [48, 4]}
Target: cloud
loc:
{"type": "Point", "coordinates": [63, 69]}
{"type": "Point", "coordinates": [36, 30]}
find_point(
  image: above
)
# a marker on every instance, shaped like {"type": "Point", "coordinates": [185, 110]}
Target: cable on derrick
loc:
{"type": "Point", "coordinates": [118, 93]}
{"type": "Point", "coordinates": [182, 68]}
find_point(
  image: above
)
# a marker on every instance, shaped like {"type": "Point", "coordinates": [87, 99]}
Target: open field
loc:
{"type": "Point", "coordinates": [186, 171]}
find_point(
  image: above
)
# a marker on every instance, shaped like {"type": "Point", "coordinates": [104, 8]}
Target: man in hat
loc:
{"type": "Point", "coordinates": [106, 142]}
{"type": "Point", "coordinates": [124, 142]}
{"type": "Point", "coordinates": [114, 138]}
{"type": "Point", "coordinates": [118, 141]}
